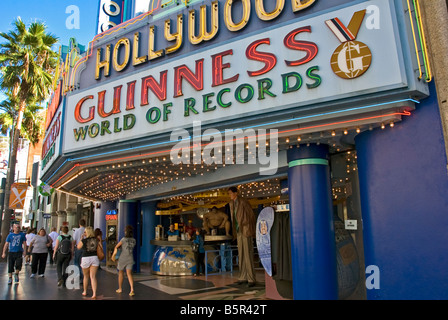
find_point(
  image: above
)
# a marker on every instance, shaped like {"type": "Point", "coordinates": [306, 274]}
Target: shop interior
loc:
{"type": "Point", "coordinates": [190, 209]}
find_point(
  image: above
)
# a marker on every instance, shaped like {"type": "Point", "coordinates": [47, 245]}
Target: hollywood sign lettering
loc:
{"type": "Point", "coordinates": [131, 47]}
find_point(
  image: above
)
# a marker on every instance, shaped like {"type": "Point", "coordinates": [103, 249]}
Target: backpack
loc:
{"type": "Point", "coordinates": [65, 247]}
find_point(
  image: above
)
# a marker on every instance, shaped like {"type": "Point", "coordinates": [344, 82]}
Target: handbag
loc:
{"type": "Point", "coordinates": [99, 251]}
{"type": "Point", "coordinates": [195, 247]}
{"type": "Point", "coordinates": [116, 254]}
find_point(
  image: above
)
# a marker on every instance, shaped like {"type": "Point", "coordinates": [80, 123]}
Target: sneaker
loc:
{"type": "Point", "coordinates": [10, 280]}
{"type": "Point", "coordinates": [16, 278]}
{"type": "Point", "coordinates": [60, 282]}
{"type": "Point", "coordinates": [32, 275]}
{"type": "Point", "coordinates": [41, 276]}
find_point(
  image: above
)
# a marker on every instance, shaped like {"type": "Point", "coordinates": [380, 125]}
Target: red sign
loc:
{"type": "Point", "coordinates": [111, 217]}
{"type": "Point", "coordinates": [53, 105]}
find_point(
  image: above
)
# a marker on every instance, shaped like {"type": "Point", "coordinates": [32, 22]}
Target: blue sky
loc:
{"type": "Point", "coordinates": [53, 13]}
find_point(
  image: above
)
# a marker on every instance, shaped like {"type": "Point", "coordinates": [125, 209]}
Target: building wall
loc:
{"type": "Point", "coordinates": [404, 187]}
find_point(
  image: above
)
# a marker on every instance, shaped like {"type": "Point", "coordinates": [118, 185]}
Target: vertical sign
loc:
{"type": "Point", "coordinates": [110, 14]}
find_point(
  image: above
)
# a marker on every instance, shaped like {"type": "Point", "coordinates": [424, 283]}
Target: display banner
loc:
{"type": "Point", "coordinates": [263, 236]}
{"type": "Point", "coordinates": [18, 195]}
{"type": "Point", "coordinates": [291, 66]}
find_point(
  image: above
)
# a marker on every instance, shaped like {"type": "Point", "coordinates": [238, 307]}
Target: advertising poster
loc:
{"type": "Point", "coordinates": [263, 236]}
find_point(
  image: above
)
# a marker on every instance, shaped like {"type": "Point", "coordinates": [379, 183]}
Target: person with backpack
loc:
{"type": "Point", "coordinates": [63, 253]}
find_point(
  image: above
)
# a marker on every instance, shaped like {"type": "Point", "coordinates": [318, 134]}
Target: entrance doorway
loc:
{"type": "Point", "coordinates": [190, 208]}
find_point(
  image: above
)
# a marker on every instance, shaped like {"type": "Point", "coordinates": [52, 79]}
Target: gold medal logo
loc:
{"type": "Point", "coordinates": [351, 59]}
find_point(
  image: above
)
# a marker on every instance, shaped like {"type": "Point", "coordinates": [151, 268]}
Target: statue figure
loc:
{"type": "Point", "coordinates": [216, 219]}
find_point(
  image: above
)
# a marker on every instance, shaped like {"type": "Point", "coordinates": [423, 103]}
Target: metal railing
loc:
{"type": "Point", "coordinates": [226, 255]}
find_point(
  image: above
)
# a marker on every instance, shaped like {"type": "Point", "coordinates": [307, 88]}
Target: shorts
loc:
{"type": "Point", "coordinates": [15, 260]}
{"type": "Point", "coordinates": [127, 266]}
{"type": "Point", "coordinates": [87, 262]}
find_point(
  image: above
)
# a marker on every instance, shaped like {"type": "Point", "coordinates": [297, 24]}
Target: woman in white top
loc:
{"type": "Point", "coordinates": [30, 234]}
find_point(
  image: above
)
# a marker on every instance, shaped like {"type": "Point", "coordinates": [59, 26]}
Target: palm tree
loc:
{"type": "Point", "coordinates": [33, 119]}
{"type": "Point", "coordinates": [27, 64]}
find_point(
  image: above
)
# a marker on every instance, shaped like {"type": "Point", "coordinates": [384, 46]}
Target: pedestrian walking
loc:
{"type": "Point", "coordinates": [53, 235]}
{"type": "Point", "coordinates": [63, 253]}
{"type": "Point", "coordinates": [40, 244]}
{"type": "Point", "coordinates": [30, 234]}
{"type": "Point", "coordinates": [126, 260]}
{"type": "Point", "coordinates": [16, 245]}
{"type": "Point", "coordinates": [99, 236]}
{"type": "Point", "coordinates": [78, 253]}
{"type": "Point", "coordinates": [89, 261]}
{"type": "Point", "coordinates": [199, 254]}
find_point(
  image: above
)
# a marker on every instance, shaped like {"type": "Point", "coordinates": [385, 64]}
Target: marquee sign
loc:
{"type": "Point", "coordinates": [287, 66]}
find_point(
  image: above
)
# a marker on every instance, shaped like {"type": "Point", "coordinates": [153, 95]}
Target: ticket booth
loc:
{"type": "Point", "coordinates": [111, 236]}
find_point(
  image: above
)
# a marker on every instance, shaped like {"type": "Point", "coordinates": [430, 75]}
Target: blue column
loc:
{"type": "Point", "coordinates": [313, 250]}
{"type": "Point", "coordinates": [129, 214]}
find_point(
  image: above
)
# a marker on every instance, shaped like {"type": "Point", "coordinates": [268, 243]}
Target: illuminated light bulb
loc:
{"type": "Point", "coordinates": [345, 132]}
{"type": "Point", "coordinates": [299, 138]}
{"type": "Point", "coordinates": [358, 130]}
{"type": "Point", "coordinates": [287, 140]}
{"type": "Point", "coordinates": [392, 124]}
{"type": "Point", "coordinates": [333, 133]}
{"type": "Point", "coordinates": [383, 126]}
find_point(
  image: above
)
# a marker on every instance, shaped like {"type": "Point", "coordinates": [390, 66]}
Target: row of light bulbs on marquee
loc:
{"type": "Point", "coordinates": [113, 181]}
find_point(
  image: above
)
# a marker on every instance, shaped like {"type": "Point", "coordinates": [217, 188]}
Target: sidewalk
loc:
{"type": "Point", "coordinates": [146, 287]}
